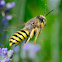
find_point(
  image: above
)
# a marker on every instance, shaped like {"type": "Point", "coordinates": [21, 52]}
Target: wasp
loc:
{"type": "Point", "coordinates": [34, 25]}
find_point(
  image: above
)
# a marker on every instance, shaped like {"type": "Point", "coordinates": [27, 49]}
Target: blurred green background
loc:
{"type": "Point", "coordinates": [50, 39]}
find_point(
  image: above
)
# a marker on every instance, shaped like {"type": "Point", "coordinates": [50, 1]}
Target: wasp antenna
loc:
{"type": "Point", "coordinates": [45, 10]}
{"type": "Point", "coordinates": [50, 12]}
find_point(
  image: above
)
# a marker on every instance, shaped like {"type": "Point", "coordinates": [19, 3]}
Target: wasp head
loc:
{"type": "Point", "coordinates": [42, 19]}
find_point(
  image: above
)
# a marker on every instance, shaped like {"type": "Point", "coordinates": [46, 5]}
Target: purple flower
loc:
{"type": "Point", "coordinates": [10, 53]}
{"type": "Point", "coordinates": [13, 4]}
{"type": "Point", "coordinates": [4, 11]}
{"type": "Point", "coordinates": [6, 55]}
{"type": "Point", "coordinates": [16, 49]}
{"type": "Point", "coordinates": [0, 60]}
{"type": "Point", "coordinates": [4, 52]}
{"type": "Point", "coordinates": [30, 50]}
{"type": "Point", "coordinates": [6, 60]}
{"type": "Point", "coordinates": [8, 17]}
{"type": "Point", "coordinates": [26, 47]}
{"type": "Point", "coordinates": [10, 5]}
{"type": "Point", "coordinates": [36, 48]}
{"type": "Point", "coordinates": [4, 22]}
{"type": "Point", "coordinates": [0, 51]}
{"type": "Point", "coordinates": [2, 2]}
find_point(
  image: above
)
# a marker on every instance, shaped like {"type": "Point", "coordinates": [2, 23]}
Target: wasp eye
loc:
{"type": "Point", "coordinates": [33, 22]}
{"type": "Point", "coordinates": [42, 20]}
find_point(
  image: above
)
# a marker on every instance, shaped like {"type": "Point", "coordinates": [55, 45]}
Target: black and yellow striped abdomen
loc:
{"type": "Point", "coordinates": [18, 36]}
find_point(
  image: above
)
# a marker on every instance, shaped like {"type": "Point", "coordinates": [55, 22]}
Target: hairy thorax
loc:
{"type": "Point", "coordinates": [31, 24]}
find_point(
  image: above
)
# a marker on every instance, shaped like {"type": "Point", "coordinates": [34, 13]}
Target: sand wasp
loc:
{"type": "Point", "coordinates": [34, 25]}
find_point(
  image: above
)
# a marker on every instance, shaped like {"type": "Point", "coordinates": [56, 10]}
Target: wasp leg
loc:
{"type": "Point", "coordinates": [17, 44]}
{"type": "Point", "coordinates": [37, 34]}
{"type": "Point", "coordinates": [31, 35]}
{"type": "Point", "coordinates": [26, 40]}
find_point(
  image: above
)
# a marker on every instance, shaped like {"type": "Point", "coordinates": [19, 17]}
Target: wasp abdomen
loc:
{"type": "Point", "coordinates": [18, 36]}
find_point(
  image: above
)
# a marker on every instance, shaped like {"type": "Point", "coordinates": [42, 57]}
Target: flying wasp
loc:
{"type": "Point", "coordinates": [34, 25]}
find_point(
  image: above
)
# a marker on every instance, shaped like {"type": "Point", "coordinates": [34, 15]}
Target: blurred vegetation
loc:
{"type": "Point", "coordinates": [50, 38]}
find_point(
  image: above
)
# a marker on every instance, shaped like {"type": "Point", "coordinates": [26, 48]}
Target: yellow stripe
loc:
{"type": "Point", "coordinates": [10, 44]}
{"type": "Point", "coordinates": [16, 38]}
{"type": "Point", "coordinates": [14, 41]}
{"type": "Point", "coordinates": [19, 36]}
{"type": "Point", "coordinates": [22, 34]}
{"type": "Point", "coordinates": [27, 32]}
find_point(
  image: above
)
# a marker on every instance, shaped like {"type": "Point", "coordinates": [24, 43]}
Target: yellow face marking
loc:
{"type": "Point", "coordinates": [42, 25]}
